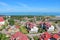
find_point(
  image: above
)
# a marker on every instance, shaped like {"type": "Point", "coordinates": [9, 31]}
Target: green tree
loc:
{"type": "Point", "coordinates": [3, 37]}
{"type": "Point", "coordinates": [11, 21]}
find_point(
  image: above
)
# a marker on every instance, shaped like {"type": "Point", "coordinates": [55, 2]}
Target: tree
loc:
{"type": "Point", "coordinates": [11, 21]}
{"type": "Point", "coordinates": [3, 37]}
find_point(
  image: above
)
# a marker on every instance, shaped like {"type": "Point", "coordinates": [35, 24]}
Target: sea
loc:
{"type": "Point", "coordinates": [32, 13]}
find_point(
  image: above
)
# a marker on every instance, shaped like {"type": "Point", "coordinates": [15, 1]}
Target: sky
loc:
{"type": "Point", "coordinates": [29, 5]}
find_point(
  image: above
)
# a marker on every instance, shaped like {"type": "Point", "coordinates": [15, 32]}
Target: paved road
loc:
{"type": "Point", "coordinates": [58, 28]}
{"type": "Point", "coordinates": [38, 34]}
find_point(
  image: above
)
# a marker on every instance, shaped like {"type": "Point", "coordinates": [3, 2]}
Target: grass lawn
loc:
{"type": "Point", "coordinates": [23, 30]}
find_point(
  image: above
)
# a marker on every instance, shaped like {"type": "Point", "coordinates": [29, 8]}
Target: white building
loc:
{"type": "Point", "coordinates": [34, 29]}
{"type": "Point", "coordinates": [51, 28]}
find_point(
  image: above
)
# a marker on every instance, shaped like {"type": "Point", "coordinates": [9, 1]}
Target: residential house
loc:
{"type": "Point", "coordinates": [19, 36]}
{"type": "Point", "coordinates": [48, 36]}
{"type": "Point", "coordinates": [47, 26]}
{"type": "Point", "coordinates": [2, 21]}
{"type": "Point", "coordinates": [32, 27]}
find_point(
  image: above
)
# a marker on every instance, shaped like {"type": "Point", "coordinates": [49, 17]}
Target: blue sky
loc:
{"type": "Point", "coordinates": [29, 5]}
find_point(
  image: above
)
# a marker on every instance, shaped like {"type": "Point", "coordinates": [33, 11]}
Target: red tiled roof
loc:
{"type": "Point", "coordinates": [48, 24]}
{"type": "Point", "coordinates": [20, 35]}
{"type": "Point", "coordinates": [47, 36]}
{"type": "Point", "coordinates": [1, 19]}
{"type": "Point", "coordinates": [31, 25]}
{"type": "Point", "coordinates": [56, 36]}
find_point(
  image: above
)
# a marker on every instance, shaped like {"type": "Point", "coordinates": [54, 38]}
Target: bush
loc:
{"type": "Point", "coordinates": [23, 30]}
{"type": "Point", "coordinates": [36, 38]}
{"type": "Point", "coordinates": [41, 30]}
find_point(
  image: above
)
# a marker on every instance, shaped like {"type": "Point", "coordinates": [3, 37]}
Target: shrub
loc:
{"type": "Point", "coordinates": [36, 38]}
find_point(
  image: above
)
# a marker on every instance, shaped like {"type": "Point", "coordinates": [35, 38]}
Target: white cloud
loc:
{"type": "Point", "coordinates": [3, 4]}
{"type": "Point", "coordinates": [23, 5]}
